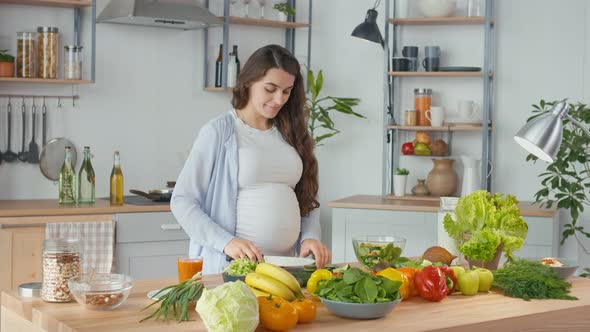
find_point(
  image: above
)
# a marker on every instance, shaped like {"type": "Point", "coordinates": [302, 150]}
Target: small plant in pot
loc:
{"type": "Point", "coordinates": [285, 10]}
{"type": "Point", "coordinates": [484, 226]}
{"type": "Point", "coordinates": [6, 64]}
{"type": "Point", "coordinates": [400, 179]}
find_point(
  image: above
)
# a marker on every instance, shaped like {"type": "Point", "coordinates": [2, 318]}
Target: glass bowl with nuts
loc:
{"type": "Point", "coordinates": [101, 291]}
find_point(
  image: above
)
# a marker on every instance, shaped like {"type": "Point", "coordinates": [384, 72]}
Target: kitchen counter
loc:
{"type": "Point", "coordinates": [50, 207]}
{"type": "Point", "coordinates": [484, 312]}
{"type": "Point", "coordinates": [527, 209]}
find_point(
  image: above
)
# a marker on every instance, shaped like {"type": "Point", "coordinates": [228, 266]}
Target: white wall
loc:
{"type": "Point", "coordinates": [148, 99]}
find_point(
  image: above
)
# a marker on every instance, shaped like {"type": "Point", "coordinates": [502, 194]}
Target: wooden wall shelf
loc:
{"type": "Point", "coordinates": [456, 20]}
{"type": "Point", "coordinates": [51, 3]}
{"type": "Point", "coordinates": [462, 127]}
{"type": "Point", "coordinates": [42, 80]}
{"type": "Point", "coordinates": [261, 22]}
{"type": "Point", "coordinates": [436, 73]}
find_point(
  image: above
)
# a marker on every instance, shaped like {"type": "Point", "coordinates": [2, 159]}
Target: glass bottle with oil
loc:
{"type": "Point", "coordinates": [67, 180]}
{"type": "Point", "coordinates": [86, 182]}
{"type": "Point", "coordinates": [117, 181]}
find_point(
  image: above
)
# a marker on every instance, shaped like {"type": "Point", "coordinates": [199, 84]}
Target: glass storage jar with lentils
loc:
{"type": "Point", "coordinates": [61, 261]}
{"type": "Point", "coordinates": [25, 54]}
{"type": "Point", "coordinates": [47, 45]}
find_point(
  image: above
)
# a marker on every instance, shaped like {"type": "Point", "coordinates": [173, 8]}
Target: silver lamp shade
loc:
{"type": "Point", "coordinates": [542, 136]}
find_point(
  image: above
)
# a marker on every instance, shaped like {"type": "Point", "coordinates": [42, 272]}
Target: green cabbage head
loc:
{"type": "Point", "coordinates": [229, 307]}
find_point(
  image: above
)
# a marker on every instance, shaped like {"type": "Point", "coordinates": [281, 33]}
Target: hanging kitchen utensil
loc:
{"type": "Point", "coordinates": [33, 154]}
{"type": "Point", "coordinates": [44, 124]}
{"type": "Point", "coordinates": [53, 156]}
{"type": "Point", "coordinates": [22, 155]}
{"type": "Point", "coordinates": [160, 195]}
{"type": "Point", "coordinates": [9, 156]}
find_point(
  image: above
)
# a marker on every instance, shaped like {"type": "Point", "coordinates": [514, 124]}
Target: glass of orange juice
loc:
{"type": "Point", "coordinates": [188, 267]}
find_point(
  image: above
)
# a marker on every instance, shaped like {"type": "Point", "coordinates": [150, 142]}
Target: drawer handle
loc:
{"type": "Point", "coordinates": [169, 227]}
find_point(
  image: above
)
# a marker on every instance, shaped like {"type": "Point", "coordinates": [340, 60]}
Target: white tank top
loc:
{"type": "Point", "coordinates": [267, 210]}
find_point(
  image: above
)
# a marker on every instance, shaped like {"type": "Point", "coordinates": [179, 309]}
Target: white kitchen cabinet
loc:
{"type": "Point", "coordinates": [420, 230]}
{"type": "Point", "coordinates": [148, 244]}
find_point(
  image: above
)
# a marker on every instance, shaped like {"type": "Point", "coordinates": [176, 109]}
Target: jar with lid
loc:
{"type": "Point", "coordinates": [410, 118]}
{"type": "Point", "coordinates": [25, 54]}
{"type": "Point", "coordinates": [422, 102]}
{"type": "Point", "coordinates": [73, 62]}
{"type": "Point", "coordinates": [60, 262]}
{"type": "Point", "coordinates": [47, 44]}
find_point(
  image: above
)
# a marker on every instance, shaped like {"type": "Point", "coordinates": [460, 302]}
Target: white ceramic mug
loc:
{"type": "Point", "coordinates": [436, 115]}
{"type": "Point", "coordinates": [467, 110]}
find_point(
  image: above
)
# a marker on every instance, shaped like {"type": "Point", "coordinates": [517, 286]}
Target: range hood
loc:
{"type": "Point", "coordinates": [176, 14]}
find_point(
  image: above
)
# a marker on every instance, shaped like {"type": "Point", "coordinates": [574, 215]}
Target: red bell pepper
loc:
{"type": "Point", "coordinates": [450, 278]}
{"type": "Point", "coordinates": [408, 148]}
{"type": "Point", "coordinates": [432, 284]}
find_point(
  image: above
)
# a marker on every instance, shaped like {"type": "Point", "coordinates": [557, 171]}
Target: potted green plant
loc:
{"type": "Point", "coordinates": [484, 226]}
{"type": "Point", "coordinates": [400, 179]}
{"type": "Point", "coordinates": [6, 64]}
{"type": "Point", "coordinates": [285, 10]}
{"type": "Point", "coordinates": [565, 183]}
{"type": "Point", "coordinates": [319, 108]}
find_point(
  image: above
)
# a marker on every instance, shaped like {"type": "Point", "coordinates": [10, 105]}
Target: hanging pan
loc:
{"type": "Point", "coordinates": [53, 156]}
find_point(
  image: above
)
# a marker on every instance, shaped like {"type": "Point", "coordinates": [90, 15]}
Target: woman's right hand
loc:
{"type": "Point", "coordinates": [239, 248]}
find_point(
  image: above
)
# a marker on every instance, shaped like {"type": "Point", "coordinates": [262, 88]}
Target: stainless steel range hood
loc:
{"type": "Point", "coordinates": [176, 14]}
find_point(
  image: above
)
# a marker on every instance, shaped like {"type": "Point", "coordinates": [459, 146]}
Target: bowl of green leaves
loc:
{"type": "Point", "coordinates": [374, 249]}
{"type": "Point", "coordinates": [359, 295]}
{"type": "Point", "coordinates": [238, 268]}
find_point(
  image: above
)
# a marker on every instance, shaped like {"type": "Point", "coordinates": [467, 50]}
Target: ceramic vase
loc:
{"type": "Point", "coordinates": [420, 189]}
{"type": "Point", "coordinates": [442, 179]}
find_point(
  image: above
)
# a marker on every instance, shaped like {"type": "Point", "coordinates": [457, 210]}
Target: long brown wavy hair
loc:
{"type": "Point", "coordinates": [291, 121]}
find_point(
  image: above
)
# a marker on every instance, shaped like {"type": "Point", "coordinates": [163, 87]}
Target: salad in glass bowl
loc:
{"type": "Point", "coordinates": [374, 249]}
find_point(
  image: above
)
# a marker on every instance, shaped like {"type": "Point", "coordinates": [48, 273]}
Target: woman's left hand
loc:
{"type": "Point", "coordinates": [322, 254]}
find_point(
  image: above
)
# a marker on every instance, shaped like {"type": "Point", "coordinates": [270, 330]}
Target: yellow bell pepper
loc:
{"type": "Point", "coordinates": [317, 276]}
{"type": "Point", "coordinates": [395, 275]}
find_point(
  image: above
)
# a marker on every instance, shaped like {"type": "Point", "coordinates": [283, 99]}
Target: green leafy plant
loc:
{"type": "Point", "coordinates": [320, 109]}
{"type": "Point", "coordinates": [402, 171]}
{"type": "Point", "coordinates": [586, 273]}
{"type": "Point", "coordinates": [483, 221]}
{"type": "Point", "coordinates": [566, 181]}
{"type": "Point", "coordinates": [285, 8]}
{"type": "Point", "coordinates": [5, 57]}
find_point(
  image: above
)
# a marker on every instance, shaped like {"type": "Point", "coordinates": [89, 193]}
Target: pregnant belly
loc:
{"type": "Point", "coordinates": [268, 215]}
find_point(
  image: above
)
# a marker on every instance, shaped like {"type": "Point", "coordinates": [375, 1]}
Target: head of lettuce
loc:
{"type": "Point", "coordinates": [229, 307]}
{"type": "Point", "coordinates": [483, 222]}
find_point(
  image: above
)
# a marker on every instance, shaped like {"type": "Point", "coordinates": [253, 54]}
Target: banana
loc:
{"type": "Point", "coordinates": [269, 285]}
{"type": "Point", "coordinates": [281, 275]}
{"type": "Point", "coordinates": [258, 292]}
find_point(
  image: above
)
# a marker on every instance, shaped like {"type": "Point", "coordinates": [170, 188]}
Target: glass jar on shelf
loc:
{"type": "Point", "coordinates": [47, 45]}
{"type": "Point", "coordinates": [25, 54]}
{"type": "Point", "coordinates": [73, 62]}
{"type": "Point", "coordinates": [422, 103]}
{"type": "Point", "coordinates": [60, 261]}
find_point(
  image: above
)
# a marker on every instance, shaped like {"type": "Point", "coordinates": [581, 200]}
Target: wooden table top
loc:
{"type": "Point", "coordinates": [527, 209]}
{"type": "Point", "coordinates": [50, 207]}
{"type": "Point", "coordinates": [486, 312]}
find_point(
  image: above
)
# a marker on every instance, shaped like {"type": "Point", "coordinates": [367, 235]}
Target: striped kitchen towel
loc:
{"type": "Point", "coordinates": [97, 240]}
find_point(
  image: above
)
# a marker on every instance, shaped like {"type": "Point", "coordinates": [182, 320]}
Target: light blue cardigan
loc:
{"type": "Point", "coordinates": [205, 196]}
